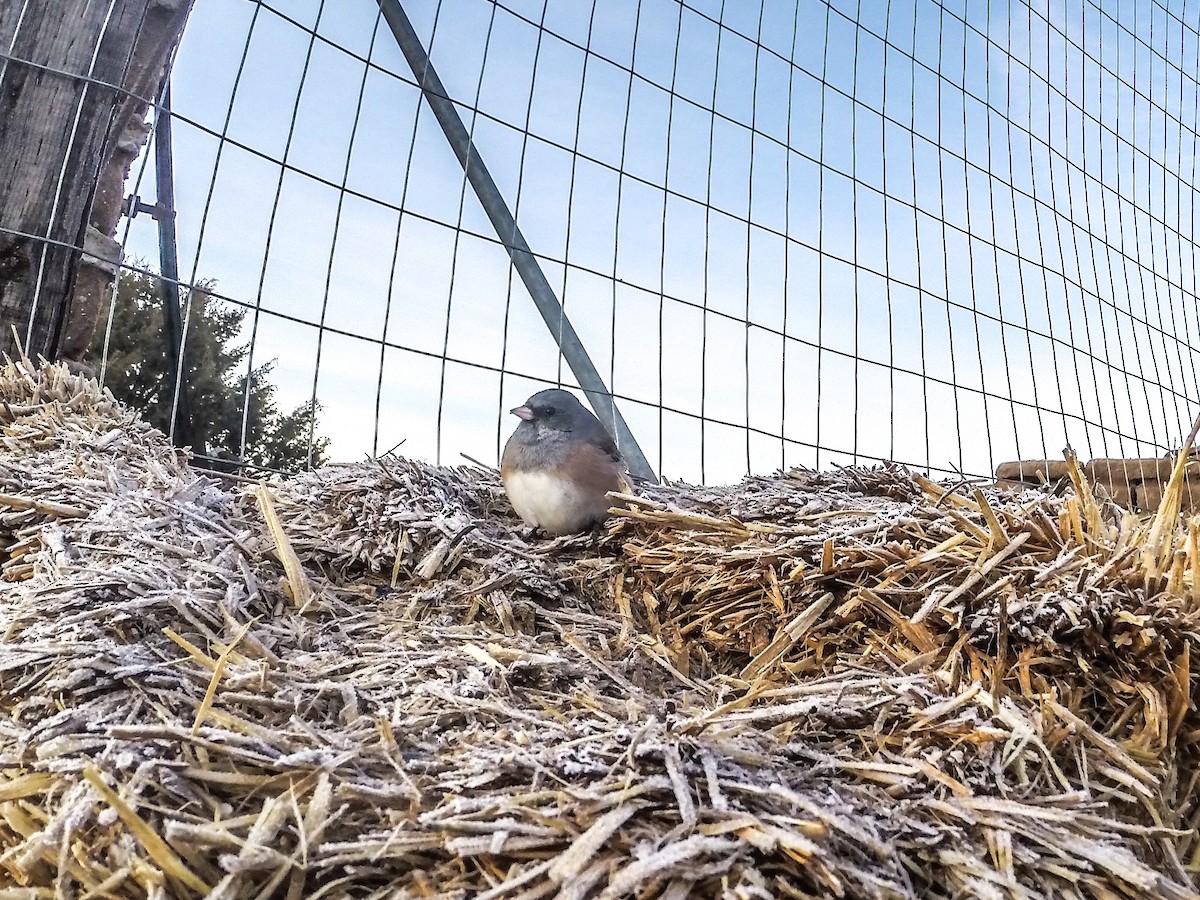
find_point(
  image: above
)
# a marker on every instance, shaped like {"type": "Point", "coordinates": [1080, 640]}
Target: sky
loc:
{"type": "Point", "coordinates": [788, 233]}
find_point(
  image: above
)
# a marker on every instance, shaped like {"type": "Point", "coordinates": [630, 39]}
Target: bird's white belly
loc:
{"type": "Point", "coordinates": [550, 501]}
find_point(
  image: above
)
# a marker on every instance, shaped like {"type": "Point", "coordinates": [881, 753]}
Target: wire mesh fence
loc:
{"type": "Point", "coordinates": [945, 234]}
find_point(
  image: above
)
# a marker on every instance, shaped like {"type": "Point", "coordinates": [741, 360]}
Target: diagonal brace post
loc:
{"type": "Point", "coordinates": [510, 235]}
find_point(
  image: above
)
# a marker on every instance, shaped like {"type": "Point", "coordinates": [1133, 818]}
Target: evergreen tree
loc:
{"type": "Point", "coordinates": [137, 374]}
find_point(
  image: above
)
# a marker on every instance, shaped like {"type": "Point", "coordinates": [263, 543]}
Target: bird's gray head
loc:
{"type": "Point", "coordinates": [554, 410]}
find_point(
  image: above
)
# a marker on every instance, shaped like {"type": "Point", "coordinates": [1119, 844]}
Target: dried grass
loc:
{"type": "Point", "coordinates": [362, 682]}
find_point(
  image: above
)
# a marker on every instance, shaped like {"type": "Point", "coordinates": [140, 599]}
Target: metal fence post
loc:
{"type": "Point", "coordinates": [510, 235]}
{"type": "Point", "coordinates": [183, 430]}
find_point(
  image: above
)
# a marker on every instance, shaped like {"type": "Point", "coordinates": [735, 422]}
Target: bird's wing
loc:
{"type": "Point", "coordinates": [606, 444]}
{"type": "Point", "coordinates": [600, 438]}
{"type": "Point", "coordinates": [591, 468]}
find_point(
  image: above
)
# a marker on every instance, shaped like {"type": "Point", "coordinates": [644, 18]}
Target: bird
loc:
{"type": "Point", "coordinates": [559, 465]}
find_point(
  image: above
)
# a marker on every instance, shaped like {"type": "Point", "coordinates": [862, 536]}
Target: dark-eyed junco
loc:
{"type": "Point", "coordinates": [559, 464]}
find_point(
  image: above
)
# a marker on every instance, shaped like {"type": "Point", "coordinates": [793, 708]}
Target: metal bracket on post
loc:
{"type": "Point", "coordinates": [502, 220]}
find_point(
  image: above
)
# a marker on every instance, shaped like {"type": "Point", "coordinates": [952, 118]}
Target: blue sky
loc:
{"type": "Point", "coordinates": [947, 234]}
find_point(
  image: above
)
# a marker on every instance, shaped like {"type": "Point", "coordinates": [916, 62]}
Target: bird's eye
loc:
{"type": "Point", "coordinates": [548, 411]}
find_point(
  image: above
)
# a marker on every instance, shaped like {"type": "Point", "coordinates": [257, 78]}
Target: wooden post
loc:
{"type": "Point", "coordinates": [72, 76]}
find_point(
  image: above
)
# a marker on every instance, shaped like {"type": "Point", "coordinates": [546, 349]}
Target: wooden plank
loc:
{"type": "Point", "coordinates": [1038, 471]}
{"type": "Point", "coordinates": [1128, 471]}
{"type": "Point", "coordinates": [1150, 493]}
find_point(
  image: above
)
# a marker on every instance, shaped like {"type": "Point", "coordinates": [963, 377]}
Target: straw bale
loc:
{"type": "Point", "coordinates": [365, 681]}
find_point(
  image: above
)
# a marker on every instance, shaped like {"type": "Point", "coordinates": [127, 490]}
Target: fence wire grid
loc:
{"type": "Point", "coordinates": [788, 233]}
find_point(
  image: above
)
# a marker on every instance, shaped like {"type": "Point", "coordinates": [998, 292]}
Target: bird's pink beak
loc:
{"type": "Point", "coordinates": [523, 412]}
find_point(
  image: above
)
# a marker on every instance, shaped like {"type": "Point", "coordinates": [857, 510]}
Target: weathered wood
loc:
{"type": "Point", "coordinates": [76, 73]}
{"type": "Point", "coordinates": [101, 257]}
{"type": "Point", "coordinates": [1038, 471]}
{"type": "Point", "coordinates": [1150, 495]}
{"type": "Point", "coordinates": [1129, 471]}
{"type": "Point", "coordinates": [1122, 494]}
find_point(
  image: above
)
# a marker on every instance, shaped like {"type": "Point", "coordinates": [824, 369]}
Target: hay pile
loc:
{"type": "Point", "coordinates": [363, 682]}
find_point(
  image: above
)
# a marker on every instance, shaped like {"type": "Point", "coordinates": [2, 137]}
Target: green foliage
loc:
{"type": "Point", "coordinates": [216, 377]}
